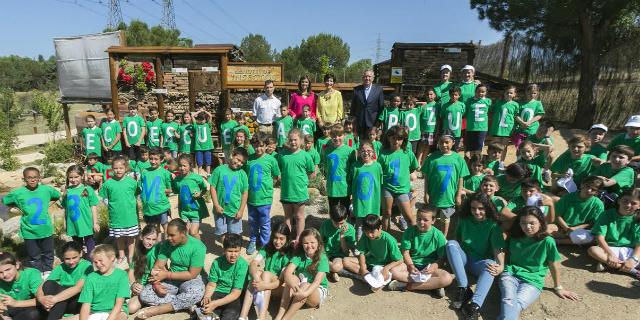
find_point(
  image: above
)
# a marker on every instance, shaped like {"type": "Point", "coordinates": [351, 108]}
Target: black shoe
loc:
{"type": "Point", "coordinates": [462, 296]}
{"type": "Point", "coordinates": [471, 311]}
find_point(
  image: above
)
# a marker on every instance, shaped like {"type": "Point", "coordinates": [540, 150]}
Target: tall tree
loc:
{"type": "Point", "coordinates": [139, 34]}
{"type": "Point", "coordinates": [324, 52]}
{"type": "Point", "coordinates": [293, 68]}
{"type": "Point", "coordinates": [256, 48]}
{"type": "Point", "coordinates": [586, 29]}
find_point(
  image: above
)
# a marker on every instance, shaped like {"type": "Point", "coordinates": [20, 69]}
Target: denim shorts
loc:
{"type": "Point", "coordinates": [162, 218]}
{"type": "Point", "coordinates": [226, 224]}
{"type": "Point", "coordinates": [400, 197]}
{"type": "Point", "coordinates": [203, 158]}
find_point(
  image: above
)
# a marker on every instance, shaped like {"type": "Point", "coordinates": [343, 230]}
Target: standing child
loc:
{"type": "Point", "coordinates": [81, 213]}
{"type": "Point", "coordinates": [185, 135]}
{"type": "Point", "coordinates": [502, 119]}
{"type": "Point", "coordinates": [271, 147]}
{"type": "Point", "coordinates": [243, 140]}
{"type": "Point", "coordinates": [390, 115]}
{"type": "Point", "coordinates": [350, 138]}
{"type": "Point", "coordinates": [374, 133]}
{"type": "Point", "coordinates": [365, 179]}
{"type": "Point", "coordinates": [120, 192]}
{"type": "Point", "coordinates": [135, 130]}
{"type": "Point", "coordinates": [229, 192]}
{"type": "Point", "coordinates": [169, 138]}
{"type": "Point", "coordinates": [18, 290]}
{"type": "Point", "coordinates": [36, 229]}
{"type": "Point", "coordinates": [451, 114]}
{"type": "Point", "coordinates": [154, 128]}
{"type": "Point", "coordinates": [242, 125]}
{"type": "Point", "coordinates": [477, 115]}
{"type": "Point", "coordinates": [227, 133]}
{"type": "Point", "coordinates": [322, 142]}
{"type": "Point", "coordinates": [530, 113]}
{"type": "Point", "coordinates": [335, 161]}
{"type": "Point", "coordinates": [305, 123]}
{"type": "Point", "coordinates": [111, 133]}
{"type": "Point", "coordinates": [263, 172]}
{"type": "Point", "coordinates": [284, 124]}
{"type": "Point", "coordinates": [472, 182]}
{"type": "Point", "coordinates": [428, 123]}
{"type": "Point", "coordinates": [154, 186]}
{"type": "Point", "coordinates": [91, 137]}
{"type": "Point", "coordinates": [190, 188]}
{"type": "Point", "coordinates": [308, 147]}
{"type": "Point", "coordinates": [596, 135]}
{"type": "Point", "coordinates": [444, 172]}
{"type": "Point", "coordinates": [410, 117]}
{"type": "Point", "coordinates": [339, 238]}
{"type": "Point", "coordinates": [204, 143]}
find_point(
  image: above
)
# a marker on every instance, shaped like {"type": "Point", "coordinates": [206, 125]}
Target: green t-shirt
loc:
{"type": "Point", "coordinates": [78, 214]}
{"type": "Point", "coordinates": [528, 259]}
{"type": "Point", "coordinates": [479, 239]}
{"type": "Point", "coordinates": [133, 129]}
{"type": "Point", "coordinates": [472, 182]}
{"type": "Point", "coordinates": [141, 166]}
{"type": "Point", "coordinates": [261, 171]}
{"type": "Point", "coordinates": [575, 210]}
{"type": "Point", "coordinates": [282, 126]}
{"type": "Point", "coordinates": [389, 116]}
{"type": "Point", "coordinates": [91, 137]}
{"type": "Point", "coordinates": [451, 114]}
{"type": "Point", "coordinates": [303, 263]}
{"type": "Point", "coordinates": [169, 140]}
{"type": "Point", "coordinates": [581, 167]}
{"type": "Point", "coordinates": [442, 173]}
{"type": "Point", "coordinates": [111, 130]}
{"type": "Point", "coordinates": [185, 256]}
{"type": "Point", "coordinates": [23, 288]}
{"type": "Point", "coordinates": [424, 247]}
{"type": "Point", "coordinates": [529, 110]}
{"type": "Point", "coordinates": [624, 177]}
{"type": "Point", "coordinates": [397, 167]}
{"type": "Point", "coordinates": [315, 156]}
{"type": "Point", "coordinates": [227, 133]}
{"type": "Point", "coordinates": [186, 133]}
{"type": "Point", "coordinates": [152, 184]}
{"type": "Point", "coordinates": [467, 90]}
{"type": "Point", "coordinates": [152, 256]}
{"type": "Point", "coordinates": [321, 144]}
{"type": "Point", "coordinates": [36, 221]}
{"type": "Point", "coordinates": [331, 239]}
{"type": "Point", "coordinates": [442, 91]}
{"type": "Point", "coordinates": [351, 141]}
{"type": "Point", "coordinates": [121, 201]}
{"type": "Point", "coordinates": [618, 230]}
{"type": "Point", "coordinates": [275, 262]}
{"type": "Point", "coordinates": [377, 147]}
{"type": "Point", "coordinates": [228, 276]}
{"type": "Point", "coordinates": [477, 114]}
{"type": "Point", "coordinates": [499, 203]}
{"type": "Point", "coordinates": [335, 161]}
{"type": "Point", "coordinates": [190, 208]}
{"type": "Point", "coordinates": [598, 151]}
{"type": "Point", "coordinates": [411, 119]}
{"type": "Point", "coordinates": [203, 142]}
{"type": "Point", "coordinates": [380, 251]}
{"type": "Point", "coordinates": [308, 126]}
{"type": "Point", "coordinates": [154, 130]}
{"type": "Point", "coordinates": [243, 128]}
{"type": "Point", "coordinates": [102, 291]}
{"type": "Point", "coordinates": [535, 168]}
{"type": "Point", "coordinates": [98, 167]}
{"type": "Point", "coordinates": [295, 167]}
{"type": "Point", "coordinates": [365, 188]}
{"type": "Point", "coordinates": [624, 139]}
{"type": "Point", "coordinates": [503, 118]}
{"type": "Point", "coordinates": [429, 117]}
{"type": "Point", "coordinates": [230, 185]}
{"type": "Point", "coordinates": [508, 190]}
{"type": "Point", "coordinates": [68, 277]}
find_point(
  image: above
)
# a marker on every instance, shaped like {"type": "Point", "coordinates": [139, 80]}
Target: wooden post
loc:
{"type": "Point", "coordinates": [67, 123]}
{"type": "Point", "coordinates": [113, 73]}
{"type": "Point", "coordinates": [506, 46]}
{"type": "Point", "coordinates": [159, 84]}
{"type": "Point", "coordinates": [224, 60]}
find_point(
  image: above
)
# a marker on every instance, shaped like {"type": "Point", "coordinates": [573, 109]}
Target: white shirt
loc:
{"type": "Point", "coordinates": [366, 92]}
{"type": "Point", "coordinates": [266, 109]}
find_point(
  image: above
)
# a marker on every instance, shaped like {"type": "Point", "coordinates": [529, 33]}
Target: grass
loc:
{"type": "Point", "coordinates": [27, 124]}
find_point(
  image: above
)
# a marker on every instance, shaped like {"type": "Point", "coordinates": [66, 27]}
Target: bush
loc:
{"type": "Point", "coordinates": [58, 152]}
{"type": "Point", "coordinates": [319, 183]}
{"type": "Point", "coordinates": [9, 115]}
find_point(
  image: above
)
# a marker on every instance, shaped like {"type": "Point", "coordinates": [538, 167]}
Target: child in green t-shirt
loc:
{"type": "Point", "coordinates": [503, 118]}
{"type": "Point", "coordinates": [203, 144]}
{"type": "Point", "coordinates": [493, 160]}
{"type": "Point", "coordinates": [105, 290]}
{"type": "Point", "coordinates": [185, 135]}
{"type": "Point", "coordinates": [542, 139]}
{"type": "Point", "coordinates": [283, 125]}
{"type": "Point", "coordinates": [311, 150]}
{"type": "Point", "coordinates": [374, 134]}
{"type": "Point", "coordinates": [575, 159]}
{"type": "Point", "coordinates": [339, 238]}
{"type": "Point", "coordinates": [94, 171]}
{"type": "Point", "coordinates": [477, 115]}
{"type": "Point", "coordinates": [190, 188]}
{"type": "Point", "coordinates": [147, 246]}
{"type": "Point", "coordinates": [227, 278]}
{"type": "Point", "coordinates": [336, 158]}
{"type": "Point", "coordinates": [530, 195]}
{"type": "Point", "coordinates": [410, 118]}
{"type": "Point", "coordinates": [305, 123]}
{"type": "Point", "coordinates": [451, 114]}
{"type": "Point", "coordinates": [616, 174]}
{"type": "Point", "coordinates": [169, 137]}
{"type": "Point", "coordinates": [81, 210]}
{"type": "Point", "coordinates": [154, 187]}
{"type": "Point", "coordinates": [271, 147]}
{"type": "Point", "coordinates": [135, 130]}
{"type": "Point", "coordinates": [365, 182]}
{"type": "Point", "coordinates": [527, 118]}
{"type": "Point", "coordinates": [390, 115]}
{"type": "Point", "coordinates": [428, 123]}
{"type": "Point", "coordinates": [227, 132]}
{"type": "Point", "coordinates": [350, 139]}
{"type": "Point", "coordinates": [597, 132]}
{"type": "Point", "coordinates": [111, 133]}
{"type": "Point", "coordinates": [242, 124]}
{"type": "Point", "coordinates": [18, 289]}
{"type": "Point", "coordinates": [154, 128]}
{"type": "Point", "coordinates": [33, 200]}
{"type": "Point", "coordinates": [630, 138]}
{"type": "Point", "coordinates": [241, 140]}
{"type": "Point", "coordinates": [534, 164]}
{"type": "Point", "coordinates": [91, 138]}
{"type": "Point", "coordinates": [423, 252]}
{"type": "Point", "coordinates": [489, 186]}
{"type": "Point", "coordinates": [617, 233]}
{"type": "Point", "coordinates": [471, 183]}
{"type": "Point", "coordinates": [509, 182]}
{"type": "Point", "coordinates": [229, 193]}
{"type": "Point", "coordinates": [322, 142]}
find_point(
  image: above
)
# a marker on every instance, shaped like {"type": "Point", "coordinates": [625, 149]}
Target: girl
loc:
{"type": "Point", "coordinates": [531, 255]}
{"type": "Point", "coordinates": [374, 133]}
{"type": "Point", "coordinates": [502, 119]}
{"type": "Point", "coordinates": [472, 181]}
{"type": "Point", "coordinates": [365, 179]}
{"type": "Point", "coordinates": [168, 138]}
{"type": "Point", "coordinates": [297, 168]}
{"type": "Point", "coordinates": [81, 212]}
{"type": "Point", "coordinates": [410, 117]}
{"type": "Point", "coordinates": [241, 140]}
{"type": "Point", "coordinates": [111, 132]}
{"type": "Point", "coordinates": [350, 137]}
{"type": "Point", "coordinates": [185, 134]}
{"type": "Point", "coordinates": [226, 132]}
{"type": "Point", "coordinates": [428, 123]}
{"type": "Point", "coordinates": [305, 276]}
{"type": "Point", "coordinates": [143, 261]}
{"type": "Point", "coordinates": [18, 289]}
{"type": "Point", "coordinates": [451, 114]}
{"type": "Point", "coordinates": [530, 113]}
{"type": "Point", "coordinates": [477, 115]}
{"type": "Point", "coordinates": [120, 192]}
{"type": "Point", "coordinates": [266, 272]}
{"type": "Point", "coordinates": [58, 295]}
{"type": "Point", "coordinates": [190, 188]}
{"type": "Point", "coordinates": [527, 157]}
{"type": "Point", "coordinates": [398, 166]}
{"type": "Point", "coordinates": [479, 248]}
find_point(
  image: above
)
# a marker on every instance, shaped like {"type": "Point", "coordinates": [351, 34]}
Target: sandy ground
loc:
{"type": "Point", "coordinates": [603, 295]}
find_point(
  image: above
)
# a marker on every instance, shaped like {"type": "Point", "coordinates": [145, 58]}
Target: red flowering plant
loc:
{"type": "Point", "coordinates": [136, 76]}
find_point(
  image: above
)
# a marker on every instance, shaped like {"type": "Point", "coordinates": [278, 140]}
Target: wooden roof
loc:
{"type": "Point", "coordinates": [198, 49]}
{"type": "Point", "coordinates": [403, 45]}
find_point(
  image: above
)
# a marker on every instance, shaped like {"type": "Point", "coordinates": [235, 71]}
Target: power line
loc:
{"type": "Point", "coordinates": [209, 19]}
{"type": "Point", "coordinates": [229, 16]}
{"type": "Point", "coordinates": [81, 6]}
{"type": "Point", "coordinates": [115, 14]}
{"type": "Point", "coordinates": [142, 10]}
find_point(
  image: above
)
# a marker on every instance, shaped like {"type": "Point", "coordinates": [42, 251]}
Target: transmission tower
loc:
{"type": "Point", "coordinates": [378, 48]}
{"type": "Point", "coordinates": [115, 14]}
{"type": "Point", "coordinates": [168, 15]}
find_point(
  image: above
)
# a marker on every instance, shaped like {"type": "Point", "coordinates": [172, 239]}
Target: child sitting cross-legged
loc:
{"type": "Point", "coordinates": [339, 238]}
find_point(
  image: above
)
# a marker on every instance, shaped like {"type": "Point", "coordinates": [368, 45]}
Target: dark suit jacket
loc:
{"type": "Point", "coordinates": [366, 110]}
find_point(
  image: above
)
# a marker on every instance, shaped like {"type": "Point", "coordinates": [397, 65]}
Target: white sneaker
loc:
{"type": "Point", "coordinates": [45, 275]}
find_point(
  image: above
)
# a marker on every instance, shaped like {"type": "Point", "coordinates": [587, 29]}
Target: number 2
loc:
{"type": "Point", "coordinates": [35, 220]}
{"type": "Point", "coordinates": [448, 169]}
{"type": "Point", "coordinates": [334, 167]}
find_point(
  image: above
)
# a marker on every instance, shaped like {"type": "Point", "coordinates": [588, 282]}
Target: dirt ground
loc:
{"type": "Point", "coordinates": [602, 295]}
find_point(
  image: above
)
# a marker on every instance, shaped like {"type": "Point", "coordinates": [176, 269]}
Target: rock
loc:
{"type": "Point", "coordinates": [11, 227]}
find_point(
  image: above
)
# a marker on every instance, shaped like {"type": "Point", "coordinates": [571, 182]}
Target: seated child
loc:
{"type": "Point", "coordinates": [631, 138]}
{"type": "Point", "coordinates": [472, 182]}
{"type": "Point", "coordinates": [535, 164]}
{"type": "Point", "coordinates": [509, 182]}
{"type": "Point", "coordinates": [575, 159]}
{"type": "Point", "coordinates": [18, 290]}
{"type": "Point", "coordinates": [531, 195]}
{"type": "Point", "coordinates": [616, 174]}
{"type": "Point", "coordinates": [94, 171]}
{"type": "Point", "coordinates": [493, 159]}
{"type": "Point", "coordinates": [596, 135]}
{"type": "Point", "coordinates": [339, 238]}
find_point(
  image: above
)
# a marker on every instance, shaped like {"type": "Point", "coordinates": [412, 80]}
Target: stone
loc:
{"type": "Point", "coordinates": [11, 227]}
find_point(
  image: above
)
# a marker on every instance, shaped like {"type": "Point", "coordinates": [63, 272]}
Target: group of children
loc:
{"type": "Point", "coordinates": [508, 219]}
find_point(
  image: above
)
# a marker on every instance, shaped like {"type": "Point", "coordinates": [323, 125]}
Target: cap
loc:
{"type": "Point", "coordinates": [469, 67]}
{"type": "Point", "coordinates": [445, 66]}
{"type": "Point", "coordinates": [634, 121]}
{"type": "Point", "coordinates": [599, 126]}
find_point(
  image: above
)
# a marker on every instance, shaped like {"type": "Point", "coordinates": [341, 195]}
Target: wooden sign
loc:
{"type": "Point", "coordinates": [254, 73]}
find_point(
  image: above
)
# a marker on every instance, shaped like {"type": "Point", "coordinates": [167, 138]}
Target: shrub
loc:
{"type": "Point", "coordinates": [58, 152]}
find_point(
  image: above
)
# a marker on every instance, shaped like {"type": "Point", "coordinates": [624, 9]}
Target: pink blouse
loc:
{"type": "Point", "coordinates": [297, 101]}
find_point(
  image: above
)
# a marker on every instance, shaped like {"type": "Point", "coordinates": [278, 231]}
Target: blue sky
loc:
{"type": "Point", "coordinates": [28, 26]}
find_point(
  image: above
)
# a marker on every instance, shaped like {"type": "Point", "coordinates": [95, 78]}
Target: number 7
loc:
{"type": "Point", "coordinates": [448, 169]}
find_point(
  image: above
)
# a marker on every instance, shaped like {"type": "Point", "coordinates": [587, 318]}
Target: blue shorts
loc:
{"type": "Point", "coordinates": [474, 140]}
{"type": "Point", "coordinates": [400, 197]}
{"type": "Point", "coordinates": [203, 158]}
{"type": "Point", "coordinates": [161, 219]}
{"type": "Point", "coordinates": [225, 224]}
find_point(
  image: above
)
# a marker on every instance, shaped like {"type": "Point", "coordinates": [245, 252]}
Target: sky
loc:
{"type": "Point", "coordinates": [28, 27]}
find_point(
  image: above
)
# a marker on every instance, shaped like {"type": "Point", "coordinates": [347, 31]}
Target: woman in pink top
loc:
{"type": "Point", "coordinates": [303, 96]}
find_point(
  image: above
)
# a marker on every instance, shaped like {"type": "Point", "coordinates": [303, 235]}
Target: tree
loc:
{"type": "Point", "coordinates": [9, 116]}
{"type": "Point", "coordinates": [46, 103]}
{"type": "Point", "coordinates": [24, 74]}
{"type": "Point", "coordinates": [138, 34]}
{"type": "Point", "coordinates": [353, 73]}
{"type": "Point", "coordinates": [585, 29]}
{"type": "Point", "coordinates": [293, 68]}
{"type": "Point", "coordinates": [323, 47]}
{"type": "Point", "coordinates": [256, 48]}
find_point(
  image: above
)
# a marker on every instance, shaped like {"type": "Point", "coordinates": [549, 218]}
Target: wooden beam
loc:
{"type": "Point", "coordinates": [224, 62]}
{"type": "Point", "coordinates": [168, 50]}
{"type": "Point", "coordinates": [67, 123]}
{"type": "Point", "coordinates": [159, 84]}
{"type": "Point", "coordinates": [113, 73]}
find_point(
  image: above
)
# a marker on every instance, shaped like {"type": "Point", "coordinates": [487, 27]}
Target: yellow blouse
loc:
{"type": "Point", "coordinates": [330, 108]}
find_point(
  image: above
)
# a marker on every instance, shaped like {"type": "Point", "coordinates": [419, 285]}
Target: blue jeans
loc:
{"type": "Point", "coordinates": [517, 295]}
{"type": "Point", "coordinates": [260, 223]}
{"type": "Point", "coordinates": [459, 260]}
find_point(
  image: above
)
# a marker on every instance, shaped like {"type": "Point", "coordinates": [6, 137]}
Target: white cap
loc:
{"type": "Point", "coordinates": [469, 67]}
{"type": "Point", "coordinates": [634, 121]}
{"type": "Point", "coordinates": [445, 66]}
{"type": "Point", "coordinates": [599, 126]}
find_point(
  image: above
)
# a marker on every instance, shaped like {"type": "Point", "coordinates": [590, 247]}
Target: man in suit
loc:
{"type": "Point", "coordinates": [367, 102]}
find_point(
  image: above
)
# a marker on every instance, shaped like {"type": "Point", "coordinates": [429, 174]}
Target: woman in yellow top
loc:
{"type": "Point", "coordinates": [329, 103]}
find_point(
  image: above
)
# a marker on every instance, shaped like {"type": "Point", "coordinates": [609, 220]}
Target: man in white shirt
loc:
{"type": "Point", "coordinates": [266, 109]}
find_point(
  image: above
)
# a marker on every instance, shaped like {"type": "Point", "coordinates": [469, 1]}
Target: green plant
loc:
{"type": "Point", "coordinates": [319, 183]}
{"type": "Point", "coordinates": [46, 103]}
{"type": "Point", "coordinates": [9, 115]}
{"type": "Point", "coordinates": [58, 152]}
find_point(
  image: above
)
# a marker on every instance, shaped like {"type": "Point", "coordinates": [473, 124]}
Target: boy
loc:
{"type": "Point", "coordinates": [306, 123]}
{"type": "Point", "coordinates": [493, 160]}
{"type": "Point", "coordinates": [105, 290]}
{"type": "Point", "coordinates": [410, 117]}
{"type": "Point", "coordinates": [339, 237]}
{"type": "Point", "coordinates": [170, 137]}
{"type": "Point", "coordinates": [229, 192]}
{"type": "Point", "coordinates": [451, 114]}
{"type": "Point", "coordinates": [111, 132]}
{"type": "Point", "coordinates": [477, 115]}
{"type": "Point", "coordinates": [596, 134]}
{"type": "Point", "coordinates": [94, 170]}
{"type": "Point", "coordinates": [390, 115]}
{"type": "Point", "coordinates": [377, 248]}
{"type": "Point", "coordinates": [91, 137]}
{"type": "Point", "coordinates": [308, 146]}
{"type": "Point", "coordinates": [531, 195]}
{"type": "Point", "coordinates": [155, 185]}
{"type": "Point", "coordinates": [154, 128]}
{"type": "Point", "coordinates": [335, 160]}
{"type": "Point", "coordinates": [428, 122]}
{"type": "Point", "coordinates": [631, 138]}
{"type": "Point", "coordinates": [284, 124]}
{"type": "Point", "coordinates": [227, 132]}
{"type": "Point", "coordinates": [36, 228]}
{"type": "Point", "coordinates": [616, 174]}
{"type": "Point", "coordinates": [134, 131]}
{"type": "Point", "coordinates": [227, 277]}
{"type": "Point", "coordinates": [203, 145]}
{"type": "Point", "coordinates": [322, 142]}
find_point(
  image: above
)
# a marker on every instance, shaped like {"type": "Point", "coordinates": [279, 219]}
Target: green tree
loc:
{"type": "Point", "coordinates": [585, 29]}
{"type": "Point", "coordinates": [293, 68]}
{"type": "Point", "coordinates": [9, 116]}
{"type": "Point", "coordinates": [138, 34]}
{"type": "Point", "coordinates": [331, 47]}
{"type": "Point", "coordinates": [353, 73]}
{"type": "Point", "coordinates": [256, 48]}
{"type": "Point", "coordinates": [24, 74]}
{"type": "Point", "coordinates": [46, 103]}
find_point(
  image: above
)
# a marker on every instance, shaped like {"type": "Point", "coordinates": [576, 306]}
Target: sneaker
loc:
{"type": "Point", "coordinates": [201, 316]}
{"type": "Point", "coordinates": [546, 176]}
{"type": "Point", "coordinates": [333, 276]}
{"type": "Point", "coordinates": [45, 275]}
{"type": "Point", "coordinates": [251, 248]}
{"type": "Point", "coordinates": [471, 311]}
{"type": "Point", "coordinates": [396, 285]}
{"type": "Point", "coordinates": [402, 224]}
{"type": "Point", "coordinates": [462, 296]}
{"type": "Point", "coordinates": [600, 267]}
{"type": "Point", "coordinates": [440, 293]}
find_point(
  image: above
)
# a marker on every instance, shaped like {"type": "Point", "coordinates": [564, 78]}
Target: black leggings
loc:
{"type": "Point", "coordinates": [229, 311]}
{"type": "Point", "coordinates": [69, 306]}
{"type": "Point", "coordinates": [26, 313]}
